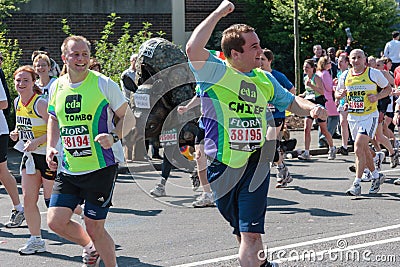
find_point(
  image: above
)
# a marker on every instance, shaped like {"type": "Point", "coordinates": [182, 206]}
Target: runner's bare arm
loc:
{"type": "Point", "coordinates": [53, 134]}
{"type": "Point", "coordinates": [195, 101]}
{"type": "Point", "coordinates": [303, 107]}
{"type": "Point", "coordinates": [195, 47]}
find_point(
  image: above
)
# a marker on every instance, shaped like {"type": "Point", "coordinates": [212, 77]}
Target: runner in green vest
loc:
{"type": "Point", "coordinates": [234, 97]}
{"type": "Point", "coordinates": [82, 107]}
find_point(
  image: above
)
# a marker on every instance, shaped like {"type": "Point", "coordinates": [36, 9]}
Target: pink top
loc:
{"type": "Point", "coordinates": [328, 92]}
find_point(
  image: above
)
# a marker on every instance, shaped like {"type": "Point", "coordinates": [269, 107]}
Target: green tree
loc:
{"type": "Point", "coordinates": [321, 22]}
{"type": "Point", "coordinates": [10, 50]}
{"type": "Point", "coordinates": [6, 7]}
{"type": "Point", "coordinates": [11, 54]}
{"type": "Point", "coordinates": [120, 51]}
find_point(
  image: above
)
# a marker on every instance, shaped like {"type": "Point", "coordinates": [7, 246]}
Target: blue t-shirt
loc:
{"type": "Point", "coordinates": [284, 81]}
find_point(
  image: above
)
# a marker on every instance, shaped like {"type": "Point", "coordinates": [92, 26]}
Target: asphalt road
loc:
{"type": "Point", "coordinates": [310, 223]}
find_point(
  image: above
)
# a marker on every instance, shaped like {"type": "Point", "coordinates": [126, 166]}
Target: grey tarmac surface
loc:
{"type": "Point", "coordinates": [311, 215]}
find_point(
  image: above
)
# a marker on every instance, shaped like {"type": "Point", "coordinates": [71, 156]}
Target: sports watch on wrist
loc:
{"type": "Point", "coordinates": [114, 136]}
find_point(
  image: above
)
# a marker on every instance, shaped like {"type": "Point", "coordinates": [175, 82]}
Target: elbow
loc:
{"type": "Point", "coordinates": [189, 48]}
{"type": "Point", "coordinates": [3, 104]}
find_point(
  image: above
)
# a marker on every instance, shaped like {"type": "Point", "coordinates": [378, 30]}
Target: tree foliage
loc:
{"type": "Point", "coordinates": [6, 7]}
{"type": "Point", "coordinates": [114, 56]}
{"type": "Point", "coordinates": [10, 50]}
{"type": "Point", "coordinates": [321, 22]}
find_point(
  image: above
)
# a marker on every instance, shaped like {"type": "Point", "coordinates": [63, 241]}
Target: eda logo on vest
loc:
{"type": "Point", "coordinates": [73, 104]}
{"type": "Point", "coordinates": [248, 92]}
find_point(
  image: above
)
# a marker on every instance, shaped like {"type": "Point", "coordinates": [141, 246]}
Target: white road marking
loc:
{"type": "Point", "coordinates": [306, 243]}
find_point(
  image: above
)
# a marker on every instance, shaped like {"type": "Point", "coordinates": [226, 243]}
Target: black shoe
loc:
{"type": "Point", "coordinates": [336, 136]}
{"type": "Point", "coordinates": [343, 151]}
{"type": "Point", "coordinates": [352, 168]}
{"type": "Point", "coordinates": [157, 157]}
{"type": "Point", "coordinates": [323, 143]}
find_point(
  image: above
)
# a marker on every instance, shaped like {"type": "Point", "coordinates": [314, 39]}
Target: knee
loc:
{"type": "Point", "coordinates": [56, 223]}
{"type": "Point", "coordinates": [30, 200]}
{"type": "Point", "coordinates": [250, 238]}
{"type": "Point", "coordinates": [94, 228]}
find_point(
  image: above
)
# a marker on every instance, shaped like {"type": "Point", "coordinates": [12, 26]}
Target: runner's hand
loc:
{"type": "Point", "coordinates": [319, 112]}
{"type": "Point", "coordinates": [182, 109]}
{"type": "Point", "coordinates": [50, 154]}
{"type": "Point", "coordinates": [372, 98]}
{"type": "Point", "coordinates": [31, 145]}
{"type": "Point", "coordinates": [225, 8]}
{"type": "Point", "coordinates": [105, 140]}
{"type": "Point", "coordinates": [14, 135]}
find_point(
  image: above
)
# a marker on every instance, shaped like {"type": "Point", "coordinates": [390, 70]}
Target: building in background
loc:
{"type": "Point", "coordinates": [38, 23]}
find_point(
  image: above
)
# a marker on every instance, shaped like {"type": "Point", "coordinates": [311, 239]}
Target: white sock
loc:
{"type": "Point", "coordinates": [307, 152]}
{"type": "Point", "coordinates": [19, 207]}
{"type": "Point", "coordinates": [375, 174]}
{"type": "Point", "coordinates": [35, 237]}
{"type": "Point", "coordinates": [89, 248]}
{"type": "Point", "coordinates": [357, 180]}
{"type": "Point", "coordinates": [281, 165]}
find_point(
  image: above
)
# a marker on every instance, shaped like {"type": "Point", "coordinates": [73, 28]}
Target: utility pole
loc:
{"type": "Point", "coordinates": [298, 79]}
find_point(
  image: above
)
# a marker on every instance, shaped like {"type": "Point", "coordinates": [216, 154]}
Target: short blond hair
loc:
{"type": "Point", "coordinates": [76, 38]}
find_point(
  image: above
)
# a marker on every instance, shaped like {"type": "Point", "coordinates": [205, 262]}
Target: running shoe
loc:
{"type": "Point", "coordinates": [354, 190]}
{"type": "Point", "coordinates": [33, 246]}
{"type": "Point", "coordinates": [90, 260]}
{"type": "Point", "coordinates": [282, 173]}
{"type": "Point", "coordinates": [394, 159]}
{"type": "Point", "coordinates": [285, 182]}
{"type": "Point", "coordinates": [304, 156]}
{"type": "Point", "coordinates": [343, 151]}
{"type": "Point", "coordinates": [366, 176]}
{"type": "Point", "coordinates": [332, 153]}
{"type": "Point", "coordinates": [205, 200]}
{"type": "Point", "coordinates": [397, 181]}
{"type": "Point", "coordinates": [195, 181]}
{"type": "Point", "coordinates": [378, 160]}
{"type": "Point", "coordinates": [16, 219]}
{"type": "Point", "coordinates": [283, 177]}
{"type": "Point", "coordinates": [376, 184]}
{"type": "Point", "coordinates": [158, 191]}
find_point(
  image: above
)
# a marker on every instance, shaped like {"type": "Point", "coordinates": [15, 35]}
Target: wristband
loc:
{"type": "Point", "coordinates": [115, 137]}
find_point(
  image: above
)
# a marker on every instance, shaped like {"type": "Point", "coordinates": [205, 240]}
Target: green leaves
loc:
{"type": "Point", "coordinates": [114, 57]}
{"type": "Point", "coordinates": [321, 22]}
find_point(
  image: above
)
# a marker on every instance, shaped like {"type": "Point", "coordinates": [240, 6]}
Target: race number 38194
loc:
{"type": "Point", "coordinates": [76, 141]}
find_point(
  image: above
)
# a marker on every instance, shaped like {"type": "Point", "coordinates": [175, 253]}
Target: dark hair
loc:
{"type": "Point", "coordinates": [232, 38]}
{"type": "Point", "coordinates": [268, 54]}
{"type": "Point", "coordinates": [310, 62]}
{"type": "Point", "coordinates": [93, 63]}
{"type": "Point", "coordinates": [395, 34]}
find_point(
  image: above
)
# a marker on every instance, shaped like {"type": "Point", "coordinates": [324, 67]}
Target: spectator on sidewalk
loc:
{"type": "Point", "coordinates": [392, 50]}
